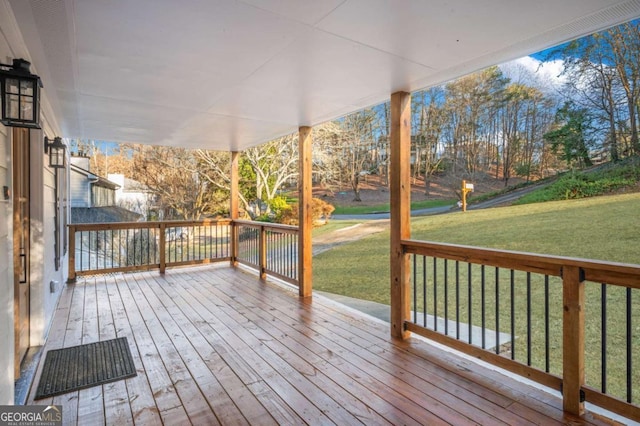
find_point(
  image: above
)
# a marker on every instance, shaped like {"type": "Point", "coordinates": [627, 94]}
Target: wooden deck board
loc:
{"type": "Point", "coordinates": [214, 345]}
{"type": "Point", "coordinates": [141, 401]}
{"type": "Point", "coordinates": [91, 401]}
{"type": "Point", "coordinates": [202, 357]}
{"type": "Point", "coordinates": [375, 383]}
{"type": "Point", "coordinates": [72, 337]}
{"type": "Point", "coordinates": [414, 388]}
{"type": "Point", "coordinates": [298, 372]}
{"type": "Point", "coordinates": [163, 333]}
{"type": "Point", "coordinates": [116, 396]}
{"type": "Point", "coordinates": [460, 400]}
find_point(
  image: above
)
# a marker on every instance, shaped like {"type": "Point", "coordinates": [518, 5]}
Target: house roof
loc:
{"type": "Point", "coordinates": [228, 75]}
{"type": "Point", "coordinates": [95, 179]}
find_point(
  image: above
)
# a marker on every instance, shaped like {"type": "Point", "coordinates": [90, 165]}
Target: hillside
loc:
{"type": "Point", "coordinates": [374, 192]}
{"type": "Point", "coordinates": [604, 179]}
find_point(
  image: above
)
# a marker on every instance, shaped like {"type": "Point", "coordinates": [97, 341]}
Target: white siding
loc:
{"type": "Point", "coordinates": [80, 190]}
{"type": "Point", "coordinates": [43, 301]}
{"type": "Point", "coordinates": [80, 184]}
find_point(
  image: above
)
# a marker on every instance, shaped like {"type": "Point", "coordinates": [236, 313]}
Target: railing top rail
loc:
{"type": "Point", "coordinates": [142, 225]}
{"type": "Point", "coordinates": [200, 222]}
{"type": "Point", "coordinates": [627, 275]}
{"type": "Point", "coordinates": [267, 225]}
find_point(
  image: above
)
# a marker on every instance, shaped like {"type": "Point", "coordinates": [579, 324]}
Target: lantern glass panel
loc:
{"type": "Point", "coordinates": [26, 108]}
{"type": "Point", "coordinates": [20, 92]}
{"type": "Point", "coordinates": [56, 157]}
{"type": "Point", "coordinates": [13, 106]}
{"type": "Point", "coordinates": [12, 85]}
{"type": "Point", "coordinates": [26, 88]}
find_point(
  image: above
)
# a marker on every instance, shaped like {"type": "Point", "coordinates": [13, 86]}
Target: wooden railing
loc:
{"type": "Point", "coordinates": [99, 248]}
{"type": "Point", "coordinates": [270, 248]}
{"type": "Point", "coordinates": [547, 318]}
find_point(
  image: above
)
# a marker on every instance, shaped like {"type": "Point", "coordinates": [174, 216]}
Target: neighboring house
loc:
{"type": "Point", "coordinates": [132, 195]}
{"type": "Point", "coordinates": [93, 198]}
{"type": "Point", "coordinates": [89, 189]}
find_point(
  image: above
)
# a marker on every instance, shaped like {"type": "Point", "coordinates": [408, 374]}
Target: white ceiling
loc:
{"type": "Point", "coordinates": [227, 75]}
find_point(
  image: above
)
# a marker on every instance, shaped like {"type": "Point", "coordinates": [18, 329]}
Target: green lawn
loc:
{"type": "Point", "coordinates": [334, 225]}
{"type": "Point", "coordinates": [425, 204]}
{"type": "Point", "coordinates": [605, 228]}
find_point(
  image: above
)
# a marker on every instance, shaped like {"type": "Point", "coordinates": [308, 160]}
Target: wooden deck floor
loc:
{"type": "Point", "coordinates": [213, 345]}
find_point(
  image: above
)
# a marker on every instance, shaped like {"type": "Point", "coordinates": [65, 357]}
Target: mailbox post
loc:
{"type": "Point", "coordinates": [466, 188]}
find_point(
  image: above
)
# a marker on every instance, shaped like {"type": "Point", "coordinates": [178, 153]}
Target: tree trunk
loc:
{"type": "Point", "coordinates": [356, 187]}
{"type": "Point", "coordinates": [635, 143]}
{"type": "Point", "coordinates": [613, 138]}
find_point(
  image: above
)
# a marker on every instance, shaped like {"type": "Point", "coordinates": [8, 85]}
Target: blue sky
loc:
{"type": "Point", "coordinates": [548, 54]}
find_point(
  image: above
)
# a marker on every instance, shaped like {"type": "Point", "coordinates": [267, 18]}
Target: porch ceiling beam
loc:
{"type": "Point", "coordinates": [400, 198]}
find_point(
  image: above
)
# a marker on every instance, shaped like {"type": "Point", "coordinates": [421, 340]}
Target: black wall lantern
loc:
{"type": "Point", "coordinates": [20, 95]}
{"type": "Point", "coordinates": [56, 153]}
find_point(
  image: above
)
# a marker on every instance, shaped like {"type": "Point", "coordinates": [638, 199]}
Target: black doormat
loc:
{"type": "Point", "coordinates": [80, 367]}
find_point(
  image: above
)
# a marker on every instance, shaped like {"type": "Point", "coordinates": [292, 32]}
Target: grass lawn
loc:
{"type": "Point", "coordinates": [334, 225]}
{"type": "Point", "coordinates": [425, 204]}
{"type": "Point", "coordinates": [605, 228]}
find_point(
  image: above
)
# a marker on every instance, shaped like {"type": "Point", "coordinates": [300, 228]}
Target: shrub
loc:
{"type": "Point", "coordinates": [319, 209]}
{"type": "Point", "coordinates": [278, 204]}
{"type": "Point", "coordinates": [576, 185]}
{"type": "Point", "coordinates": [140, 249]}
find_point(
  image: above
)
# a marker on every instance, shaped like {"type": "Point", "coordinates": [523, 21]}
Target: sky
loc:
{"type": "Point", "coordinates": [549, 72]}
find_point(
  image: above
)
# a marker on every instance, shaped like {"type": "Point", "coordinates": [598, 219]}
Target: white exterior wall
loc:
{"type": "Point", "coordinates": [80, 186]}
{"type": "Point", "coordinates": [43, 302]}
{"type": "Point", "coordinates": [133, 201]}
{"type": "Point", "coordinates": [80, 190]}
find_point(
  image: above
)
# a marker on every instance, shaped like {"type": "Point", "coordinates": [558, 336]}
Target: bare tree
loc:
{"type": "Point", "coordinates": [351, 152]}
{"type": "Point", "coordinates": [428, 131]}
{"type": "Point", "coordinates": [172, 175]}
{"type": "Point", "coordinates": [604, 76]}
{"type": "Point", "coordinates": [470, 104]}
